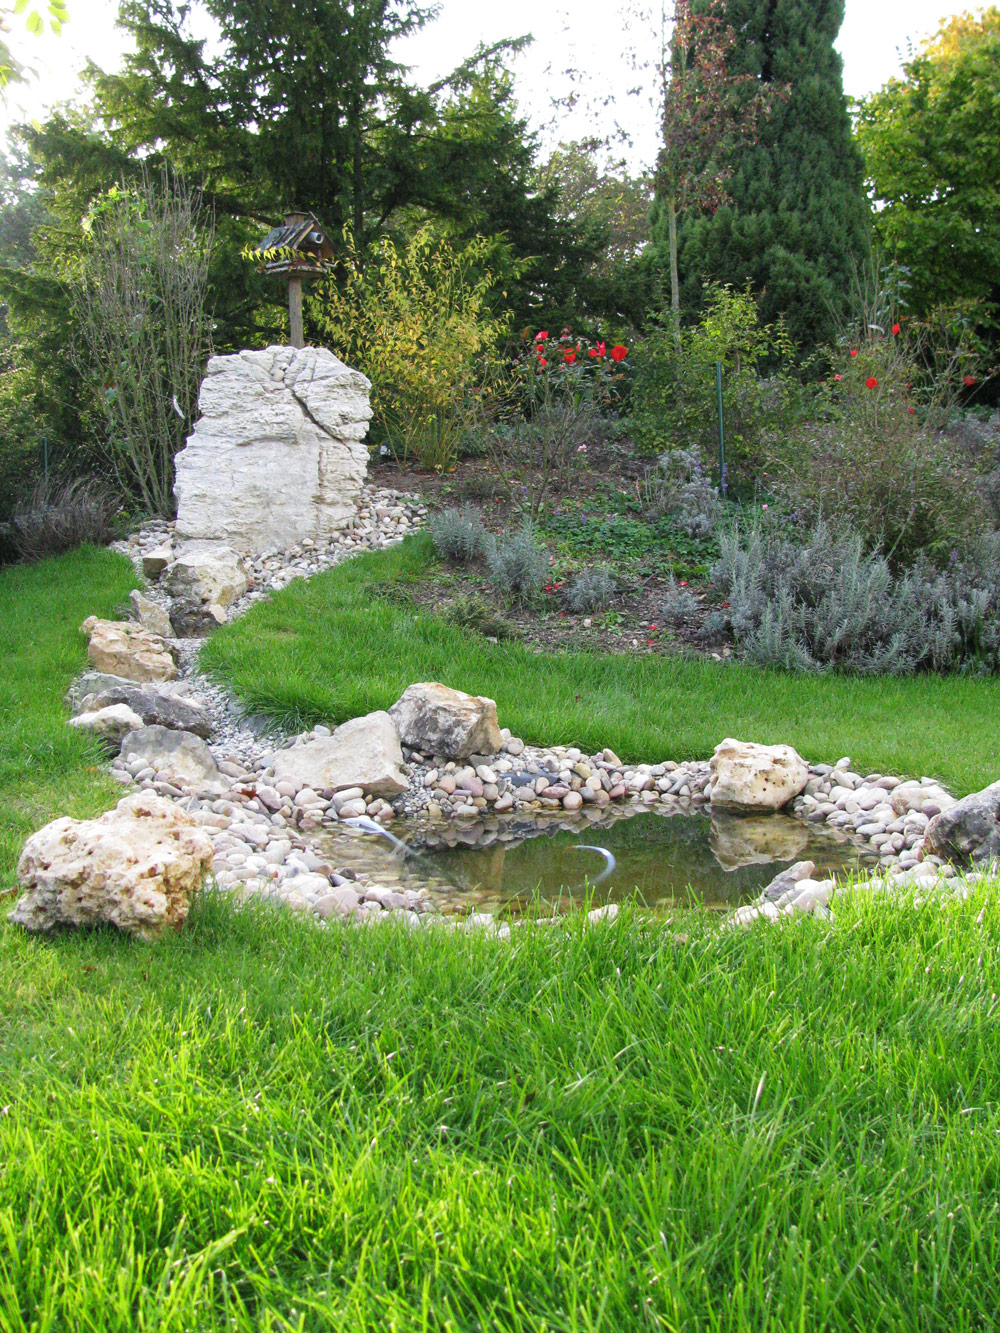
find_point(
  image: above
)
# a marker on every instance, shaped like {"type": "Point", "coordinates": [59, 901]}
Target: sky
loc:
{"type": "Point", "coordinates": [583, 35]}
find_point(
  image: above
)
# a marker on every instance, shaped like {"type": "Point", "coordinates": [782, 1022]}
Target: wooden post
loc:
{"type": "Point", "coordinates": [295, 311]}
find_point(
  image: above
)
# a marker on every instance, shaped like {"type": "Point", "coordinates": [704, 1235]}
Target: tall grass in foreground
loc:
{"type": "Point", "coordinates": [46, 768]}
{"type": "Point", "coordinates": [258, 1125]}
{"type": "Point", "coordinates": [331, 648]}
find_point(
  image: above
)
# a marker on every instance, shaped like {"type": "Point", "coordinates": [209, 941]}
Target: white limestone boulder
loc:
{"type": "Point", "coordinates": [177, 757]}
{"type": "Point", "coordinates": [364, 753]}
{"type": "Point", "coordinates": [150, 615]}
{"type": "Point", "coordinates": [110, 724]}
{"type": "Point", "coordinates": [276, 454]}
{"type": "Point", "coordinates": [122, 648]}
{"type": "Point", "coordinates": [746, 776]}
{"type": "Point", "coordinates": [137, 866]}
{"type": "Point", "coordinates": [205, 573]}
{"type": "Point", "coordinates": [446, 722]}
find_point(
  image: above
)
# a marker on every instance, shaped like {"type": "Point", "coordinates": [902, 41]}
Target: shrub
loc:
{"type": "Point", "coordinates": [818, 602]}
{"type": "Point", "coordinates": [518, 565]}
{"type": "Point", "coordinates": [139, 295]}
{"type": "Point", "coordinates": [476, 614]}
{"type": "Point", "coordinates": [682, 489]}
{"type": "Point", "coordinates": [458, 534]}
{"type": "Point", "coordinates": [53, 520]}
{"type": "Point", "coordinates": [418, 319]}
{"type": "Point", "coordinates": [591, 589]}
{"type": "Point", "coordinates": [680, 605]}
{"type": "Point", "coordinates": [673, 403]}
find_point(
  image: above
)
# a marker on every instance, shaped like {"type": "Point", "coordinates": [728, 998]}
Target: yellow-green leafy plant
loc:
{"type": "Point", "coordinates": [419, 318]}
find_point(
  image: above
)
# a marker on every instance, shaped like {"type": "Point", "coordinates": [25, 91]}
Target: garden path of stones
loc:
{"type": "Point", "coordinates": [190, 741]}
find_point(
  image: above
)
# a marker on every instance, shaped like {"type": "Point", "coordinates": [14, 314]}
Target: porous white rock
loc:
{"type": "Point", "coordinates": [442, 721]}
{"type": "Point", "coordinates": [111, 724]}
{"type": "Point", "coordinates": [137, 867]}
{"type": "Point", "coordinates": [207, 573]}
{"type": "Point", "coordinates": [364, 752]}
{"type": "Point", "coordinates": [276, 455]}
{"type": "Point", "coordinates": [755, 777]}
{"type": "Point", "coordinates": [122, 648]}
{"type": "Point", "coordinates": [150, 615]}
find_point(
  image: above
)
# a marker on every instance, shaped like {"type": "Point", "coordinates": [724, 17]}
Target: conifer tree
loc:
{"type": "Point", "coordinates": [795, 224]}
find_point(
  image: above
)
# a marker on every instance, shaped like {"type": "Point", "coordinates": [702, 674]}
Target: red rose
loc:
{"type": "Point", "coordinates": [871, 382]}
{"type": "Point", "coordinates": [838, 377]}
{"type": "Point", "coordinates": [895, 329]}
{"type": "Point", "coordinates": [618, 352]}
{"type": "Point", "coordinates": [542, 361]}
{"type": "Point", "coordinates": [854, 351]}
{"type": "Point", "coordinates": [912, 411]}
{"type": "Point", "coordinates": [968, 380]}
{"type": "Point", "coordinates": [540, 337]}
{"type": "Point", "coordinates": [569, 357]}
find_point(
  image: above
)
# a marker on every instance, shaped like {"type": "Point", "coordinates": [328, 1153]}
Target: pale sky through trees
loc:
{"type": "Point", "coordinates": [585, 35]}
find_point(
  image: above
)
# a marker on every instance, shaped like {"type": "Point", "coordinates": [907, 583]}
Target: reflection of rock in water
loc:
{"type": "Point", "coordinates": [489, 867]}
{"type": "Point", "coordinates": [738, 840]}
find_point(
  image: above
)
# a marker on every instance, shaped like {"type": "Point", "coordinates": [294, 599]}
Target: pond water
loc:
{"type": "Point", "coordinates": [665, 858]}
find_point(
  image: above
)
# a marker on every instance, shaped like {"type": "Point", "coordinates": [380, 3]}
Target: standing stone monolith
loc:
{"type": "Point", "coordinates": [276, 454]}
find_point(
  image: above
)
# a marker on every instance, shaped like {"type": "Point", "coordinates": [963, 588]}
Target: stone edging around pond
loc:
{"type": "Point", "coordinates": [260, 825]}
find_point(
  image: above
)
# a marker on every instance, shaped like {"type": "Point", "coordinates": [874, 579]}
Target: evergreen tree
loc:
{"type": "Point", "coordinates": [796, 222]}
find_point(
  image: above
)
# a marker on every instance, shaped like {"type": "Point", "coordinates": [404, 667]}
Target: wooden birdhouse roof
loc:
{"type": "Point", "coordinates": [298, 247]}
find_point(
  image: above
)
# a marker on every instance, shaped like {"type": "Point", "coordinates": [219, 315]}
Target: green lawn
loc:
{"type": "Point", "coordinates": [329, 649]}
{"type": "Point", "coordinates": [259, 1126]}
{"type": "Point", "coordinates": [47, 769]}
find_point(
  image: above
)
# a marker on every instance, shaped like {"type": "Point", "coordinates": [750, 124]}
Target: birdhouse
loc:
{"type": "Point", "coordinates": [295, 251]}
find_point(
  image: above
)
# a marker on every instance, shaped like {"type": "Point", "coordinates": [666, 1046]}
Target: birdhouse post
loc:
{"type": "Point", "coordinates": [295, 251]}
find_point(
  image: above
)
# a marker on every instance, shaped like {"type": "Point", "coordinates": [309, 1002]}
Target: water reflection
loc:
{"type": "Point", "coordinates": [667, 857]}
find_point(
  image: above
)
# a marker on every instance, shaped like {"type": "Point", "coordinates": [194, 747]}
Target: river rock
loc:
{"type": "Point", "coordinates": [789, 878]}
{"type": "Point", "coordinates": [968, 831]}
{"type": "Point", "coordinates": [178, 757]}
{"type": "Point", "coordinates": [137, 867]}
{"type": "Point", "coordinates": [150, 615]}
{"type": "Point", "coordinates": [747, 776]}
{"type": "Point", "coordinates": [166, 705]}
{"type": "Point", "coordinates": [439, 720]}
{"type": "Point", "coordinates": [111, 724]}
{"type": "Point", "coordinates": [364, 752]}
{"type": "Point", "coordinates": [122, 648]}
{"type": "Point", "coordinates": [276, 455]}
{"type": "Point", "coordinates": [205, 573]}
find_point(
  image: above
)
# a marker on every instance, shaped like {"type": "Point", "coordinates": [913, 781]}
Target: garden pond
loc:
{"type": "Point", "coordinates": [665, 859]}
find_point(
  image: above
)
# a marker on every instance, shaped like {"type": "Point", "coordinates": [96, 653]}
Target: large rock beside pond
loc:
{"type": "Point", "coordinates": [137, 867]}
{"type": "Point", "coordinates": [177, 757]}
{"type": "Point", "coordinates": [441, 721]}
{"type": "Point", "coordinates": [364, 752]}
{"type": "Point", "coordinates": [276, 454]}
{"type": "Point", "coordinates": [746, 776]}
{"type": "Point", "coordinates": [968, 831]}
{"type": "Point", "coordinates": [122, 648]}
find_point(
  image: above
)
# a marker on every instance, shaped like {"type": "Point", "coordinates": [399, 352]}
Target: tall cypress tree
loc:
{"type": "Point", "coordinates": [796, 223]}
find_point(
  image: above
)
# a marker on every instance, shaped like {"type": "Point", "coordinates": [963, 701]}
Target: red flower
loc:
{"type": "Point", "coordinates": [895, 329]}
{"type": "Point", "coordinates": [569, 357]}
{"type": "Point", "coordinates": [854, 351]}
{"type": "Point", "coordinates": [540, 337]}
{"type": "Point", "coordinates": [618, 352]}
{"type": "Point", "coordinates": [871, 382]}
{"type": "Point", "coordinates": [542, 361]}
{"type": "Point", "coordinates": [912, 411]}
{"type": "Point", "coordinates": [838, 377]}
{"type": "Point", "coordinates": [968, 380]}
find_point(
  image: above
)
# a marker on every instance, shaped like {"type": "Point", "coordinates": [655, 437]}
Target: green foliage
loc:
{"type": "Point", "coordinates": [458, 534]}
{"type": "Point", "coordinates": [874, 454]}
{"type": "Point", "coordinates": [286, 658]}
{"type": "Point", "coordinates": [673, 402]}
{"type": "Point", "coordinates": [817, 601]}
{"type": "Point", "coordinates": [659, 545]}
{"type": "Point", "coordinates": [12, 68]}
{"type": "Point", "coordinates": [518, 565]}
{"type": "Point", "coordinates": [929, 142]}
{"type": "Point", "coordinates": [590, 589]}
{"type": "Point", "coordinates": [417, 319]}
{"type": "Point", "coordinates": [474, 612]}
{"type": "Point", "coordinates": [797, 221]}
{"type": "Point", "coordinates": [58, 518]}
